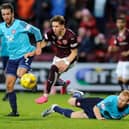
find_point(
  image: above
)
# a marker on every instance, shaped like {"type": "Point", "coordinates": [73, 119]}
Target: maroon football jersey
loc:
{"type": "Point", "coordinates": [62, 47]}
{"type": "Point", "coordinates": [123, 42]}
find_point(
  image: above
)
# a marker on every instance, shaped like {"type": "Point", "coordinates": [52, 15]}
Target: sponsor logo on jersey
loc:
{"type": "Point", "coordinates": [13, 31]}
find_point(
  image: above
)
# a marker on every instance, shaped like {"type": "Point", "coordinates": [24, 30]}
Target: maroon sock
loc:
{"type": "Point", "coordinates": [53, 75]}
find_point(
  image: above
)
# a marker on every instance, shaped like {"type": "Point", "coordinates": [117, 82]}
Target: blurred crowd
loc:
{"type": "Point", "coordinates": [92, 20]}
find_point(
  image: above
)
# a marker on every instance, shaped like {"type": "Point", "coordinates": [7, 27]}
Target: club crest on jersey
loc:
{"type": "Point", "coordinates": [121, 38]}
{"type": "Point", "coordinates": [13, 31]}
{"type": "Point", "coordinates": [64, 42]}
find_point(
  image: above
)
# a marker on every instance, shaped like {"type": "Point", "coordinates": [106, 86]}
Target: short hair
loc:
{"type": "Point", "coordinates": [125, 93]}
{"type": "Point", "coordinates": [7, 6]}
{"type": "Point", "coordinates": [121, 17]}
{"type": "Point", "coordinates": [58, 18]}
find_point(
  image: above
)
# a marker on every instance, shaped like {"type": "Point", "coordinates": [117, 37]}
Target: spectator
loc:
{"type": "Point", "coordinates": [43, 6]}
{"type": "Point", "coordinates": [88, 22]}
{"type": "Point", "coordinates": [101, 48]}
{"type": "Point", "coordinates": [58, 7]}
{"type": "Point", "coordinates": [25, 9]}
{"type": "Point", "coordinates": [100, 10]}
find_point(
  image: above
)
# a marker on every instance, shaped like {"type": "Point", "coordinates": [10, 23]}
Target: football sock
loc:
{"type": "Point", "coordinates": [63, 111]}
{"type": "Point", "coordinates": [12, 101]}
{"type": "Point", "coordinates": [121, 85]}
{"type": "Point", "coordinates": [125, 86]}
{"type": "Point", "coordinates": [60, 82]}
{"type": "Point", "coordinates": [53, 75]}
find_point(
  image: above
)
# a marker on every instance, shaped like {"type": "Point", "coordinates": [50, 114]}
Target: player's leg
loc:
{"type": "Point", "coordinates": [24, 66]}
{"type": "Point", "coordinates": [53, 75]}
{"type": "Point", "coordinates": [69, 113]}
{"type": "Point", "coordinates": [64, 111]}
{"type": "Point", "coordinates": [87, 104]}
{"type": "Point", "coordinates": [63, 84]}
{"type": "Point", "coordinates": [4, 64]}
{"type": "Point", "coordinates": [75, 95]}
{"type": "Point", "coordinates": [15, 68]}
{"type": "Point", "coordinates": [79, 114]}
{"type": "Point", "coordinates": [10, 82]}
{"type": "Point", "coordinates": [52, 78]}
{"type": "Point", "coordinates": [125, 75]}
{"type": "Point", "coordinates": [119, 71]}
{"type": "Point", "coordinates": [63, 89]}
{"type": "Point", "coordinates": [67, 82]}
{"type": "Point", "coordinates": [56, 108]}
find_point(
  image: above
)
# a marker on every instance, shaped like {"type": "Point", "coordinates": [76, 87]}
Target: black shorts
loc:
{"type": "Point", "coordinates": [87, 105]}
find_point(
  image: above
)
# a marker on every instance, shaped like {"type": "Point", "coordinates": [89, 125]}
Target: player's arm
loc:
{"type": "Point", "coordinates": [73, 55]}
{"type": "Point", "coordinates": [74, 49]}
{"type": "Point", "coordinates": [43, 44]}
{"type": "Point", "coordinates": [97, 113]}
{"type": "Point", "coordinates": [1, 34]}
{"type": "Point", "coordinates": [37, 34]}
{"type": "Point", "coordinates": [38, 48]}
{"type": "Point", "coordinates": [38, 38]}
{"type": "Point", "coordinates": [37, 51]}
{"type": "Point", "coordinates": [125, 53]}
{"type": "Point", "coordinates": [113, 45]}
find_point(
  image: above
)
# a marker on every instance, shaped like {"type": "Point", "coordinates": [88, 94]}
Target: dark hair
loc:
{"type": "Point", "coordinates": [121, 17]}
{"type": "Point", "coordinates": [58, 18]}
{"type": "Point", "coordinates": [7, 6]}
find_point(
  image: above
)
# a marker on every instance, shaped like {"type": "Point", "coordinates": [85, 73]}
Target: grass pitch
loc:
{"type": "Point", "coordinates": [30, 117]}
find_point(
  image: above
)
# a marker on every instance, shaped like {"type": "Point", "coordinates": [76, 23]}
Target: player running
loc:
{"type": "Point", "coordinates": [15, 32]}
{"type": "Point", "coordinates": [65, 46]}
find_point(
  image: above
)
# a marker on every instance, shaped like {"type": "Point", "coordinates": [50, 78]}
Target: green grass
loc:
{"type": "Point", "coordinates": [30, 117]}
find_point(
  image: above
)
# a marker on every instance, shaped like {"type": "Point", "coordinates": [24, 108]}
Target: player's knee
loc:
{"type": "Point", "coordinates": [79, 115]}
{"type": "Point", "coordinates": [72, 101]}
{"type": "Point", "coordinates": [9, 86]}
{"type": "Point", "coordinates": [20, 74]}
{"type": "Point", "coordinates": [54, 68]}
{"type": "Point", "coordinates": [83, 115]}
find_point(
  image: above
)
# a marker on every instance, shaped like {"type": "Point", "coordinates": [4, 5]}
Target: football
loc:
{"type": "Point", "coordinates": [28, 81]}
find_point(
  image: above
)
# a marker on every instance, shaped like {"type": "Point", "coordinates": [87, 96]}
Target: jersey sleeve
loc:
{"type": "Point", "coordinates": [73, 42]}
{"type": "Point", "coordinates": [107, 102]}
{"type": "Point", "coordinates": [33, 30]}
{"type": "Point", "coordinates": [1, 33]}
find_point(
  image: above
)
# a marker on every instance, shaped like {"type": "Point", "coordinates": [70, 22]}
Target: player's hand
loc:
{"type": "Point", "coordinates": [61, 66]}
{"type": "Point", "coordinates": [113, 49]}
{"type": "Point", "coordinates": [38, 51]}
{"type": "Point", "coordinates": [125, 54]}
{"type": "Point", "coordinates": [101, 118]}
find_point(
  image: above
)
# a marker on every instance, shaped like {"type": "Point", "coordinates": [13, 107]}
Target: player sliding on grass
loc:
{"type": "Point", "coordinates": [112, 107]}
{"type": "Point", "coordinates": [64, 44]}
